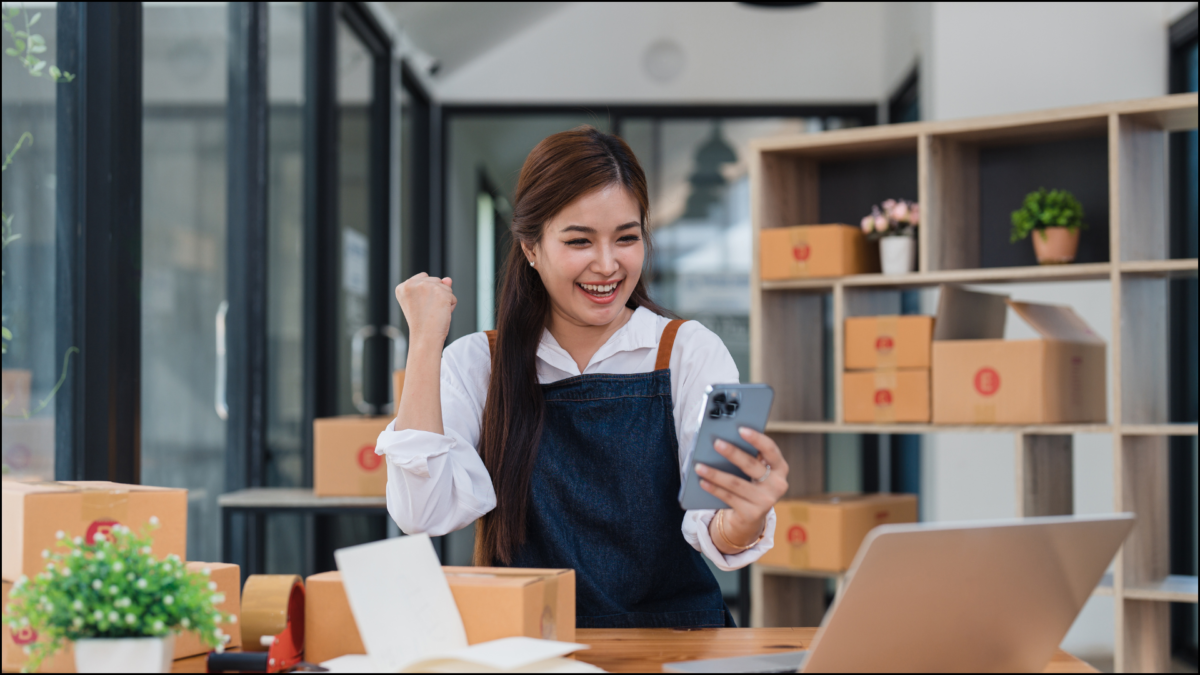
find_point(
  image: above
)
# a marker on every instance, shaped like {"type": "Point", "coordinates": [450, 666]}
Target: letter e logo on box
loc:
{"type": "Point", "coordinates": [367, 458]}
{"type": "Point", "coordinates": [103, 526]}
{"type": "Point", "coordinates": [797, 536]}
{"type": "Point", "coordinates": [987, 381]}
{"type": "Point", "coordinates": [24, 635]}
{"type": "Point", "coordinates": [883, 397]}
{"type": "Point", "coordinates": [801, 252]}
{"type": "Point", "coordinates": [884, 344]}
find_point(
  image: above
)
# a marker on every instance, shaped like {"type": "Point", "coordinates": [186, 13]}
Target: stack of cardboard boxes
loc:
{"type": "Point", "coordinates": [33, 514]}
{"type": "Point", "coordinates": [887, 369]}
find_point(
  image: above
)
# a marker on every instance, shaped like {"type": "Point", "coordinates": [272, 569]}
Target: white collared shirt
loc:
{"type": "Point", "coordinates": [438, 484]}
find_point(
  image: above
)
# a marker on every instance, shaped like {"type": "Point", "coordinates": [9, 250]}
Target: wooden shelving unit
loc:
{"type": "Point", "coordinates": [967, 175]}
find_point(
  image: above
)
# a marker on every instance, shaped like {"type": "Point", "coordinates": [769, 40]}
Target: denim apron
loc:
{"type": "Point", "coordinates": [604, 502]}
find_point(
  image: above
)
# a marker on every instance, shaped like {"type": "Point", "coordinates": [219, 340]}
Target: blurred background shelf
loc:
{"type": "Point", "coordinates": [1106, 155]}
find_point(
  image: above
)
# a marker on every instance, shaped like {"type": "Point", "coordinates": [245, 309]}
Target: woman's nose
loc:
{"type": "Point", "coordinates": [606, 261]}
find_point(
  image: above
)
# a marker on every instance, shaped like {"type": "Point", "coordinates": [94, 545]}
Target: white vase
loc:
{"type": "Point", "coordinates": [898, 255]}
{"type": "Point", "coordinates": [125, 655]}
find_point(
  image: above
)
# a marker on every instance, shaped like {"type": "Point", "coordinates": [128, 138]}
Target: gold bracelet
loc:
{"type": "Point", "coordinates": [721, 529]}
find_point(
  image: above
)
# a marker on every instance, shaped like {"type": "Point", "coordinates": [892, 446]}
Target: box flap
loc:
{"type": "Point", "coordinates": [1055, 322]}
{"type": "Point", "coordinates": [39, 487]}
{"type": "Point", "coordinates": [969, 315]}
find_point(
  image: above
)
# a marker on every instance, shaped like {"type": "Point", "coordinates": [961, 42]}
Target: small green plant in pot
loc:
{"type": "Point", "coordinates": [1054, 218]}
{"type": "Point", "coordinates": [119, 605]}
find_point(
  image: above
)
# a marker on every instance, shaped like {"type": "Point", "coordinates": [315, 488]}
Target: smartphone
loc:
{"type": "Point", "coordinates": [726, 408]}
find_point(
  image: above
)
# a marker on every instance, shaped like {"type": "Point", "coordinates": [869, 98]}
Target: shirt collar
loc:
{"type": "Point", "coordinates": [640, 332]}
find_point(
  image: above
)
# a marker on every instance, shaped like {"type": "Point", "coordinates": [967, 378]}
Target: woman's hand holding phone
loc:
{"type": "Point", "coordinates": [749, 500]}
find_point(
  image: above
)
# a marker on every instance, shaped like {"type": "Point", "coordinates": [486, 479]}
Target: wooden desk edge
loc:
{"type": "Point", "coordinates": [646, 650]}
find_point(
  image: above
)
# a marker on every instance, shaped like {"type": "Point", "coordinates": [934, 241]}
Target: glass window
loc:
{"type": "Point", "coordinates": [183, 287]}
{"type": "Point", "coordinates": [32, 364]}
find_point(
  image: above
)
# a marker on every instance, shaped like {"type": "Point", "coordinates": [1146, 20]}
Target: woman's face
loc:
{"type": "Point", "coordinates": [590, 256]}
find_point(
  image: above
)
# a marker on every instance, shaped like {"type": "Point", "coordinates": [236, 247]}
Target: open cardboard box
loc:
{"type": "Point", "coordinates": [981, 378]}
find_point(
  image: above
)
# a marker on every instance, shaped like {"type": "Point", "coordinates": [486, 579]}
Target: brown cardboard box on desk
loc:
{"type": "Point", "coordinates": [888, 342]}
{"type": "Point", "coordinates": [494, 603]}
{"type": "Point", "coordinates": [35, 512]}
{"type": "Point", "coordinates": [807, 251]}
{"type": "Point", "coordinates": [981, 378]}
{"type": "Point", "coordinates": [344, 459]}
{"type": "Point", "coordinates": [824, 532]}
{"type": "Point", "coordinates": [228, 580]}
{"type": "Point", "coordinates": [886, 395]}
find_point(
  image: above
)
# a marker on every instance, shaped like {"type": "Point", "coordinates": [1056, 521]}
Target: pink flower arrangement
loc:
{"type": "Point", "coordinates": [892, 218]}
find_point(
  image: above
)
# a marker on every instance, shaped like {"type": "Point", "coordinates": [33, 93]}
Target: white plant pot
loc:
{"type": "Point", "coordinates": [898, 255]}
{"type": "Point", "coordinates": [125, 655]}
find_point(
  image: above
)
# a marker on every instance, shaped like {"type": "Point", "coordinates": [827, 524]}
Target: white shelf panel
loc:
{"type": "Point", "coordinates": [1175, 588]}
{"type": "Point", "coordinates": [1159, 429]}
{"type": "Point", "coordinates": [836, 428]}
{"type": "Point", "coordinates": [1166, 268]}
{"type": "Point", "coordinates": [991, 275]}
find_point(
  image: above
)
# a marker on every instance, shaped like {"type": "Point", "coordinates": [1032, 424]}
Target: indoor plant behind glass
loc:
{"type": "Point", "coordinates": [894, 223]}
{"type": "Point", "coordinates": [117, 603]}
{"type": "Point", "coordinates": [1054, 218]}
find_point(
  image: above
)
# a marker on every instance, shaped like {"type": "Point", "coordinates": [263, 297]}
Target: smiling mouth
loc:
{"type": "Point", "coordinates": [600, 290]}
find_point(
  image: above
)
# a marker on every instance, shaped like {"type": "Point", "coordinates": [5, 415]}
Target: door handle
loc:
{"type": "Point", "coordinates": [357, 343]}
{"type": "Point", "coordinates": [219, 401]}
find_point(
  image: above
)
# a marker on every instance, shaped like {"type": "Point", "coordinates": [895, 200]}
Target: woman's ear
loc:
{"type": "Point", "coordinates": [529, 254]}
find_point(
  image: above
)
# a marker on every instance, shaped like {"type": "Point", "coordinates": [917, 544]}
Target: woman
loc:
{"type": "Point", "coordinates": [564, 432]}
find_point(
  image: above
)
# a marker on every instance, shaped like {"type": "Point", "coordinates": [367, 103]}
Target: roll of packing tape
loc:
{"type": "Point", "coordinates": [267, 601]}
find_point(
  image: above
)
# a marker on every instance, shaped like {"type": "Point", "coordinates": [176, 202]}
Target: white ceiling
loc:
{"type": "Point", "coordinates": [457, 32]}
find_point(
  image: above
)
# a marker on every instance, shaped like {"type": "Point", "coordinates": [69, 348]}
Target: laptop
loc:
{"type": "Point", "coordinates": [995, 596]}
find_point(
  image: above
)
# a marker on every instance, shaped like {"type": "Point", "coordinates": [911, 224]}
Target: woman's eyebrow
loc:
{"type": "Point", "coordinates": [591, 230]}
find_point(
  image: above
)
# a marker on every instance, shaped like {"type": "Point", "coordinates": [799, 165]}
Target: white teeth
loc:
{"type": "Point", "coordinates": [608, 288]}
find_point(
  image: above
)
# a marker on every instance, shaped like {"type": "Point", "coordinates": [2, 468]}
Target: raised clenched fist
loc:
{"type": "Point", "coordinates": [427, 302]}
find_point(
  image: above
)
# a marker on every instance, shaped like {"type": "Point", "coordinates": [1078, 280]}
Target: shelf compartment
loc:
{"type": "Point", "coordinates": [791, 427]}
{"type": "Point", "coordinates": [992, 275]}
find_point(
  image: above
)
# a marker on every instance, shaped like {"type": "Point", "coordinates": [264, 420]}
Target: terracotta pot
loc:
{"type": "Point", "coordinates": [1055, 245]}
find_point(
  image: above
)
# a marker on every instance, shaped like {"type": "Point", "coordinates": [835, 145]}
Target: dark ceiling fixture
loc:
{"type": "Point", "coordinates": [779, 5]}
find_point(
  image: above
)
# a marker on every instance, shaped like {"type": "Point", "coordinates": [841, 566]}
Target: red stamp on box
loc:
{"type": "Point", "coordinates": [884, 344]}
{"type": "Point", "coordinates": [797, 535]}
{"type": "Point", "coordinates": [103, 526]}
{"type": "Point", "coordinates": [987, 381]}
{"type": "Point", "coordinates": [881, 515]}
{"type": "Point", "coordinates": [801, 252]}
{"type": "Point", "coordinates": [367, 458]}
{"type": "Point", "coordinates": [24, 635]}
{"type": "Point", "coordinates": [883, 397]}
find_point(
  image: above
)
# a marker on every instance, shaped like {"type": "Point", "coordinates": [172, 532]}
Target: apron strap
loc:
{"type": "Point", "coordinates": [666, 343]}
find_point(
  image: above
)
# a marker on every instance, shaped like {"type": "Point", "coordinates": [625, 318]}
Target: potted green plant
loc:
{"type": "Point", "coordinates": [894, 224]}
{"type": "Point", "coordinates": [119, 605]}
{"type": "Point", "coordinates": [1054, 218]}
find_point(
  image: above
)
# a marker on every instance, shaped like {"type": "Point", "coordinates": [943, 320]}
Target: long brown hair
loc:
{"type": "Point", "coordinates": [561, 169]}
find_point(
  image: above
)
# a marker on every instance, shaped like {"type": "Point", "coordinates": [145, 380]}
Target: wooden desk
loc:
{"type": "Point", "coordinates": [645, 650]}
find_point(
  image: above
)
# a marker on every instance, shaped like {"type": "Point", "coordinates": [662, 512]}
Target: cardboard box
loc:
{"type": "Point", "coordinates": [824, 532]}
{"type": "Point", "coordinates": [886, 395]}
{"type": "Point", "coordinates": [888, 342]}
{"type": "Point", "coordinates": [13, 643]}
{"type": "Point", "coordinates": [981, 378]}
{"type": "Point", "coordinates": [344, 459]}
{"type": "Point", "coordinates": [34, 512]}
{"type": "Point", "coordinates": [15, 390]}
{"type": "Point", "coordinates": [228, 579]}
{"type": "Point", "coordinates": [495, 602]}
{"type": "Point", "coordinates": [815, 251]}
{"type": "Point", "coordinates": [28, 448]}
{"type": "Point", "coordinates": [498, 602]}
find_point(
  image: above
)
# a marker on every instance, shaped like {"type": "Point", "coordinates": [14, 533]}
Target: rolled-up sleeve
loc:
{"type": "Point", "coordinates": [700, 358]}
{"type": "Point", "coordinates": [437, 483]}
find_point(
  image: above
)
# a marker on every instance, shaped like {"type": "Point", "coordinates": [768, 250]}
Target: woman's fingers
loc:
{"type": "Point", "coordinates": [731, 499]}
{"type": "Point", "coordinates": [743, 460]}
{"type": "Point", "coordinates": [767, 449]}
{"type": "Point", "coordinates": [729, 482]}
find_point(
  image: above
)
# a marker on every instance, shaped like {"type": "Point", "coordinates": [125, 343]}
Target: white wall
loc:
{"type": "Point", "coordinates": [594, 52]}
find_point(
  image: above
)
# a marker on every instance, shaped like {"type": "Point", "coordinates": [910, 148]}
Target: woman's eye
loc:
{"type": "Point", "coordinates": [578, 242]}
{"type": "Point", "coordinates": [630, 238]}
